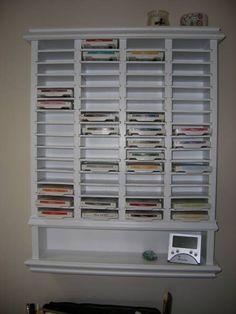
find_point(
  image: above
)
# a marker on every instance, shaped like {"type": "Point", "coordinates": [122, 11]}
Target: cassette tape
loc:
{"type": "Point", "coordinates": [100, 131]}
{"type": "Point", "coordinates": [190, 215]}
{"type": "Point", "coordinates": [138, 55]}
{"type": "Point", "coordinates": [100, 55]}
{"type": "Point", "coordinates": [191, 168]}
{"type": "Point", "coordinates": [54, 92]}
{"type": "Point", "coordinates": [54, 104]}
{"type": "Point", "coordinates": [144, 167]}
{"type": "Point", "coordinates": [147, 143]}
{"type": "Point", "coordinates": [55, 189]}
{"type": "Point", "coordinates": [190, 204]}
{"type": "Point", "coordinates": [191, 143]}
{"type": "Point", "coordinates": [145, 155]}
{"type": "Point", "coordinates": [98, 117]}
{"type": "Point", "coordinates": [99, 203]}
{"type": "Point", "coordinates": [146, 117]}
{"type": "Point", "coordinates": [54, 202]}
{"type": "Point", "coordinates": [143, 215]}
{"type": "Point", "coordinates": [159, 130]}
{"type": "Point", "coordinates": [184, 130]}
{"type": "Point", "coordinates": [99, 214]}
{"type": "Point", "coordinates": [138, 203]}
{"type": "Point", "coordinates": [55, 213]}
{"type": "Point", "coordinates": [99, 167]}
{"type": "Point", "coordinates": [106, 43]}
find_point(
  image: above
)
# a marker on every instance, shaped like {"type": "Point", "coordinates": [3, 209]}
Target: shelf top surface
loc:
{"type": "Point", "coordinates": [126, 32]}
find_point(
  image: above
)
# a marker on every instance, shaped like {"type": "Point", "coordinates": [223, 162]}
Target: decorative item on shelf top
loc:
{"type": "Point", "coordinates": [194, 19]}
{"type": "Point", "coordinates": [150, 255]}
{"type": "Point", "coordinates": [158, 18]}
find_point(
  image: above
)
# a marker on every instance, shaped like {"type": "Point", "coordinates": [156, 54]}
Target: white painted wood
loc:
{"type": "Point", "coordinates": [183, 87]}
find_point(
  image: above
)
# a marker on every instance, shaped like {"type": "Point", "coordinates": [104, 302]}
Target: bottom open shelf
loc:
{"type": "Point", "coordinates": [116, 264]}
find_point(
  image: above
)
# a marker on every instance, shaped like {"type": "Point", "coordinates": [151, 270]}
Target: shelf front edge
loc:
{"type": "Point", "coordinates": [206, 271]}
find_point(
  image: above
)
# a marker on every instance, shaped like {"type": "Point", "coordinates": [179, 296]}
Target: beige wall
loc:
{"type": "Point", "coordinates": [17, 284]}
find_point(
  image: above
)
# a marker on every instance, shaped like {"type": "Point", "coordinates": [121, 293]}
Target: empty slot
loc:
{"type": "Point", "coordinates": [100, 80]}
{"type": "Point", "coordinates": [100, 93]}
{"type": "Point", "coordinates": [190, 180]}
{"type": "Point", "coordinates": [96, 68]}
{"type": "Point", "coordinates": [144, 179]}
{"type": "Point", "coordinates": [185, 191]}
{"type": "Point", "coordinates": [145, 81]}
{"type": "Point", "coordinates": [55, 129]}
{"type": "Point", "coordinates": [56, 81]}
{"type": "Point", "coordinates": [191, 154]}
{"type": "Point", "coordinates": [101, 105]}
{"type": "Point", "coordinates": [99, 143]}
{"type": "Point", "coordinates": [55, 177]}
{"type": "Point", "coordinates": [99, 153]}
{"type": "Point", "coordinates": [54, 57]}
{"type": "Point", "coordinates": [151, 191]}
{"type": "Point", "coordinates": [191, 69]}
{"type": "Point", "coordinates": [191, 94]}
{"type": "Point", "coordinates": [106, 190]}
{"type": "Point", "coordinates": [55, 69]}
{"type": "Point", "coordinates": [50, 165]}
{"type": "Point", "coordinates": [191, 106]}
{"type": "Point", "coordinates": [191, 56]}
{"type": "Point", "coordinates": [188, 118]}
{"type": "Point", "coordinates": [55, 153]}
{"type": "Point", "coordinates": [56, 141]}
{"type": "Point", "coordinates": [191, 44]}
{"type": "Point", "coordinates": [192, 81]}
{"type": "Point", "coordinates": [99, 179]}
{"type": "Point", "coordinates": [144, 105]}
{"type": "Point", "coordinates": [145, 43]}
{"type": "Point", "coordinates": [55, 44]}
{"type": "Point", "coordinates": [145, 93]}
{"type": "Point", "coordinates": [145, 69]}
{"type": "Point", "coordinates": [55, 117]}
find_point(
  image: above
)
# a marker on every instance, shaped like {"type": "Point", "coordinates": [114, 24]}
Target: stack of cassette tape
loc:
{"type": "Point", "coordinates": [99, 208]}
{"type": "Point", "coordinates": [55, 98]}
{"type": "Point", "coordinates": [103, 49]}
{"type": "Point", "coordinates": [145, 134]}
{"type": "Point", "coordinates": [145, 155]}
{"type": "Point", "coordinates": [55, 201]}
{"type": "Point", "coordinates": [191, 168]}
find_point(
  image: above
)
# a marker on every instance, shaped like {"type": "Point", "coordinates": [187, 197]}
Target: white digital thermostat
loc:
{"type": "Point", "coordinates": [184, 248]}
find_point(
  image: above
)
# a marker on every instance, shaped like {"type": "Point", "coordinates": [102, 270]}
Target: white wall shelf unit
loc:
{"type": "Point", "coordinates": [124, 148]}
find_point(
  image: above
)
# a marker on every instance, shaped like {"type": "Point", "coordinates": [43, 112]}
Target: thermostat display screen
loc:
{"type": "Point", "coordinates": [184, 242]}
